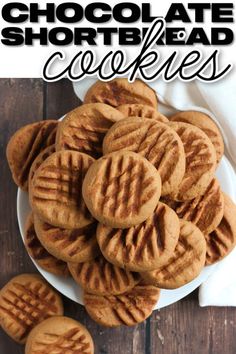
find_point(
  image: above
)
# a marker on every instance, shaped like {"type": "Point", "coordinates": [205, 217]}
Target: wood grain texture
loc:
{"type": "Point", "coordinates": [59, 99]}
{"type": "Point", "coordinates": [21, 102]}
{"type": "Point", "coordinates": [185, 328]}
{"type": "Point", "coordinates": [182, 328]}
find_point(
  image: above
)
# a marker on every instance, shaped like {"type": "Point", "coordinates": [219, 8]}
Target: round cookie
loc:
{"type": "Point", "coordinates": [25, 301]}
{"type": "Point", "coordinates": [56, 190]}
{"type": "Point", "coordinates": [141, 247]}
{"type": "Point", "coordinates": [222, 240]}
{"type": "Point", "coordinates": [200, 161]}
{"type": "Point", "coordinates": [121, 189]}
{"type": "Point", "coordinates": [25, 145]}
{"type": "Point", "coordinates": [205, 212]}
{"type": "Point", "coordinates": [142, 111]}
{"type": "Point", "coordinates": [186, 263]}
{"type": "Point", "coordinates": [120, 91]}
{"type": "Point", "coordinates": [103, 278]}
{"type": "Point", "coordinates": [78, 245]}
{"type": "Point", "coordinates": [155, 141]}
{"type": "Point", "coordinates": [39, 254]}
{"type": "Point", "coordinates": [59, 335]}
{"type": "Point", "coordinates": [84, 128]}
{"type": "Point", "coordinates": [127, 309]}
{"type": "Point", "coordinates": [39, 160]}
{"type": "Point", "coordinates": [205, 123]}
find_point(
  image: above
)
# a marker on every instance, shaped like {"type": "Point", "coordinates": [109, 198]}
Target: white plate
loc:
{"type": "Point", "coordinates": [69, 288]}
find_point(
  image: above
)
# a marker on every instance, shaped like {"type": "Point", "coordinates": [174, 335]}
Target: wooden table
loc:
{"type": "Point", "coordinates": [182, 328]}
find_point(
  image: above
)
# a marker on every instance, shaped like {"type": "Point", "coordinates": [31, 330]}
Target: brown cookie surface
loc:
{"type": "Point", "coordinates": [121, 189]}
{"type": "Point", "coordinates": [98, 276]}
{"type": "Point", "coordinates": [127, 309]}
{"type": "Point", "coordinates": [222, 240]}
{"type": "Point", "coordinates": [84, 128]}
{"type": "Point", "coordinates": [205, 211]}
{"type": "Point", "coordinates": [200, 161]}
{"type": "Point", "coordinates": [155, 141]}
{"type": "Point", "coordinates": [205, 123]}
{"type": "Point", "coordinates": [25, 145]}
{"type": "Point", "coordinates": [76, 245]}
{"type": "Point", "coordinates": [39, 253]}
{"type": "Point", "coordinates": [39, 160]}
{"type": "Point", "coordinates": [141, 247]}
{"type": "Point", "coordinates": [25, 301]}
{"type": "Point", "coordinates": [186, 263]}
{"type": "Point", "coordinates": [119, 91]}
{"type": "Point", "coordinates": [143, 111]}
{"type": "Point", "coordinates": [56, 190]}
{"type": "Point", "coordinates": [59, 335]}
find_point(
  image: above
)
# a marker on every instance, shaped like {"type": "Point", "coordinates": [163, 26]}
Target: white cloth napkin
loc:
{"type": "Point", "coordinates": [218, 100]}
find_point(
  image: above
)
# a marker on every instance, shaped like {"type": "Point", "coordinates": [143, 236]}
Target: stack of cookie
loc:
{"type": "Point", "coordinates": [123, 198]}
{"type": "Point", "coordinates": [31, 312]}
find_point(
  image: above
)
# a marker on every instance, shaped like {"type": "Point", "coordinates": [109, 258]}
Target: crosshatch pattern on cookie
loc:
{"type": "Point", "coordinates": [56, 193]}
{"type": "Point", "coordinates": [101, 277]}
{"type": "Point", "coordinates": [39, 160]}
{"type": "Point", "coordinates": [59, 335]}
{"type": "Point", "coordinates": [155, 141]}
{"type": "Point", "coordinates": [73, 340]}
{"type": "Point", "coordinates": [25, 145]}
{"type": "Point", "coordinates": [205, 211]}
{"type": "Point", "coordinates": [84, 128]}
{"type": "Point", "coordinates": [144, 111]}
{"type": "Point", "coordinates": [24, 304]}
{"type": "Point", "coordinates": [39, 253]}
{"type": "Point", "coordinates": [126, 309]}
{"type": "Point", "coordinates": [122, 187]}
{"type": "Point", "coordinates": [144, 246]}
{"type": "Point", "coordinates": [120, 91]}
{"type": "Point", "coordinates": [186, 262]}
{"type": "Point", "coordinates": [200, 161]}
{"type": "Point", "coordinates": [76, 245]}
{"type": "Point", "coordinates": [222, 240]}
{"type": "Point", "coordinates": [206, 124]}
{"type": "Point", "coordinates": [84, 139]}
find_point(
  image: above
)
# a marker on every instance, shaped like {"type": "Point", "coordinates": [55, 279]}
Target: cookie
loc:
{"type": "Point", "coordinates": [121, 189]}
{"type": "Point", "coordinates": [56, 190]}
{"type": "Point", "coordinates": [155, 141]}
{"type": "Point", "coordinates": [39, 160]}
{"type": "Point", "coordinates": [200, 161]}
{"type": "Point", "coordinates": [84, 128]}
{"type": "Point", "coordinates": [141, 247]}
{"type": "Point", "coordinates": [76, 245]}
{"type": "Point", "coordinates": [51, 139]}
{"type": "Point", "coordinates": [120, 91]}
{"type": "Point", "coordinates": [222, 240]}
{"type": "Point", "coordinates": [127, 309]}
{"type": "Point", "coordinates": [59, 335]}
{"type": "Point", "coordinates": [186, 263]}
{"type": "Point", "coordinates": [205, 211]}
{"type": "Point", "coordinates": [39, 254]}
{"type": "Point", "coordinates": [25, 301]}
{"type": "Point", "coordinates": [142, 111]}
{"type": "Point", "coordinates": [205, 123]}
{"type": "Point", "coordinates": [102, 278]}
{"type": "Point", "coordinates": [25, 145]}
